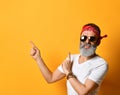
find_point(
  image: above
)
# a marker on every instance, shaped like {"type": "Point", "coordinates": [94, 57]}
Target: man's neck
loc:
{"type": "Point", "coordinates": [84, 58]}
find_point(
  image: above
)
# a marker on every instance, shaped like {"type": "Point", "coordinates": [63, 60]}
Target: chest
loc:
{"type": "Point", "coordinates": [82, 71]}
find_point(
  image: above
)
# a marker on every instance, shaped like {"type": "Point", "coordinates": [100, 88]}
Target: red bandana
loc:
{"type": "Point", "coordinates": [90, 28]}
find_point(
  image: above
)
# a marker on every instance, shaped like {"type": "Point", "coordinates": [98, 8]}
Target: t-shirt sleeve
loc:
{"type": "Point", "coordinates": [98, 74]}
{"type": "Point", "coordinates": [60, 68]}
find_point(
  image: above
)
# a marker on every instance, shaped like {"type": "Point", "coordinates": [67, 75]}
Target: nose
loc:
{"type": "Point", "coordinates": [87, 41]}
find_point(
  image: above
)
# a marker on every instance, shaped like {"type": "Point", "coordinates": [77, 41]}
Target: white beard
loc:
{"type": "Point", "coordinates": [87, 52]}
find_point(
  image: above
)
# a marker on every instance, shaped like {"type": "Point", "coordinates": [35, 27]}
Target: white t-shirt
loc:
{"type": "Point", "coordinates": [94, 69]}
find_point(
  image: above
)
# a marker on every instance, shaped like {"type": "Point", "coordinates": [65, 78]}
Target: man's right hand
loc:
{"type": "Point", "coordinates": [35, 52]}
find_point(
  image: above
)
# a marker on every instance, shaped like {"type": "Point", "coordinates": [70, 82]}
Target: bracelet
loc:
{"type": "Point", "coordinates": [70, 75]}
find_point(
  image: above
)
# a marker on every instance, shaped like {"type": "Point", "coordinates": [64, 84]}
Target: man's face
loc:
{"type": "Point", "coordinates": [88, 43]}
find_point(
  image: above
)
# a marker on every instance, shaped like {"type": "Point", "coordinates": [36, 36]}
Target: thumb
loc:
{"type": "Point", "coordinates": [69, 55]}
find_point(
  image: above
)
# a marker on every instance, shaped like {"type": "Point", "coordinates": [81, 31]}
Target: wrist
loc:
{"type": "Point", "coordinates": [38, 59]}
{"type": "Point", "coordinates": [67, 72]}
{"type": "Point", "coordinates": [70, 75]}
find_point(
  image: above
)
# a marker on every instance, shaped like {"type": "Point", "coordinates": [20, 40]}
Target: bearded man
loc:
{"type": "Point", "coordinates": [84, 72]}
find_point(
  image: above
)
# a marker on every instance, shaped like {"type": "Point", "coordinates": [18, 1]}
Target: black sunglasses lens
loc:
{"type": "Point", "coordinates": [92, 39]}
{"type": "Point", "coordinates": [83, 38]}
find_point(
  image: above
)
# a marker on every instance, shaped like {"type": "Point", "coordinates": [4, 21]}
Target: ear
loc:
{"type": "Point", "coordinates": [98, 42]}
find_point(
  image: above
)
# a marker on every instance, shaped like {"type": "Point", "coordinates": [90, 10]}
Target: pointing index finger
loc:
{"type": "Point", "coordinates": [33, 45]}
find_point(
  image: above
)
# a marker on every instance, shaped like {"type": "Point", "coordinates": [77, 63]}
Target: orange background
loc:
{"type": "Point", "coordinates": [54, 26]}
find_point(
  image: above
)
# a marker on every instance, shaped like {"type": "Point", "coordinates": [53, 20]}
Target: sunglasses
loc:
{"type": "Point", "coordinates": [90, 38]}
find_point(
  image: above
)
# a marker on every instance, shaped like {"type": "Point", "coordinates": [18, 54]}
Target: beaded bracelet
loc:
{"type": "Point", "coordinates": [70, 75]}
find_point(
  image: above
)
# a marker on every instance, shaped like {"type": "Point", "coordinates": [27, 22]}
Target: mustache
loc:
{"type": "Point", "coordinates": [85, 44]}
{"type": "Point", "coordinates": [82, 45]}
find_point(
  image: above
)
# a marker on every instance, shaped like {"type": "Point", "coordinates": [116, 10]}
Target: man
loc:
{"type": "Point", "coordinates": [85, 71]}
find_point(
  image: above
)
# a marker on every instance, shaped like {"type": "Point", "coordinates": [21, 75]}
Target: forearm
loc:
{"type": "Point", "coordinates": [35, 53]}
{"type": "Point", "coordinates": [78, 86]}
{"type": "Point", "coordinates": [47, 74]}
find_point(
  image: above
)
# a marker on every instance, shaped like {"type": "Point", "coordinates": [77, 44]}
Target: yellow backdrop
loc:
{"type": "Point", "coordinates": [54, 26]}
